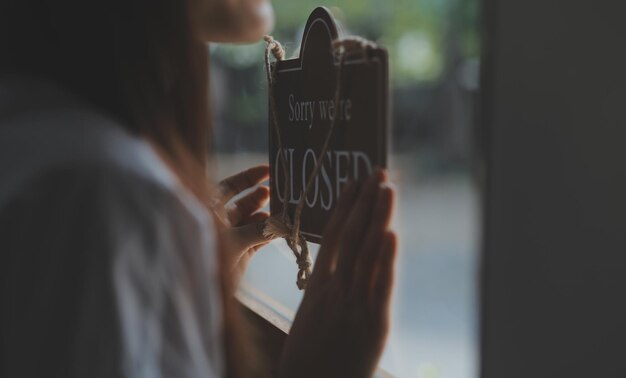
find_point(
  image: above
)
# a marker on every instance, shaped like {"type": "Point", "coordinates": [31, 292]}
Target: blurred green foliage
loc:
{"type": "Point", "coordinates": [416, 32]}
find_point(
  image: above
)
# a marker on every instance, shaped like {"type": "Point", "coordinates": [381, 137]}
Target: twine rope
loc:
{"type": "Point", "coordinates": [283, 226]}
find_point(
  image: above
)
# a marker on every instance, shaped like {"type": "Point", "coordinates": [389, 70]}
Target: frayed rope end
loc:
{"type": "Point", "coordinates": [275, 47]}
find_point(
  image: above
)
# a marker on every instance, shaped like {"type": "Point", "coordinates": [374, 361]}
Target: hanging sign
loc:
{"type": "Point", "coordinates": [304, 91]}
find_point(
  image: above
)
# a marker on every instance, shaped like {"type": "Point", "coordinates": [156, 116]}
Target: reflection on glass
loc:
{"type": "Point", "coordinates": [433, 48]}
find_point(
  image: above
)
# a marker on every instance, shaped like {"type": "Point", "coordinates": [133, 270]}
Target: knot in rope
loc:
{"type": "Point", "coordinates": [303, 264]}
{"type": "Point", "coordinates": [281, 227]}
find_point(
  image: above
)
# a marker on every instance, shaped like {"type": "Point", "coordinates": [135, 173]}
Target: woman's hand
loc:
{"type": "Point", "coordinates": [341, 326]}
{"type": "Point", "coordinates": [242, 221]}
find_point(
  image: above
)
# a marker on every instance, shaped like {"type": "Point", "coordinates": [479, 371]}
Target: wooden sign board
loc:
{"type": "Point", "coordinates": [304, 94]}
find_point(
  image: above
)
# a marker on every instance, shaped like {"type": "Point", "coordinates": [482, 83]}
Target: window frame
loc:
{"type": "Point", "coordinates": [271, 324]}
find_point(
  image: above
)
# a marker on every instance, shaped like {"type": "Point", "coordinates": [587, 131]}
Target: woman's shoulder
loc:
{"type": "Point", "coordinates": [49, 138]}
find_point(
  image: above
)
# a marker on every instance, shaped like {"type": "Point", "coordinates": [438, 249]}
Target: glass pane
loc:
{"type": "Point", "coordinates": [433, 48]}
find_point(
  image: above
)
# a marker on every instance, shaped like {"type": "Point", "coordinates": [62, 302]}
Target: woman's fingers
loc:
{"type": "Point", "coordinates": [233, 185]}
{"type": "Point", "coordinates": [247, 236]}
{"type": "Point", "coordinates": [332, 235]}
{"type": "Point", "coordinates": [247, 205]}
{"type": "Point", "coordinates": [247, 255]}
{"type": "Point", "coordinates": [240, 264]}
{"type": "Point", "coordinates": [384, 276]}
{"type": "Point", "coordinates": [356, 224]}
{"type": "Point", "coordinates": [365, 262]}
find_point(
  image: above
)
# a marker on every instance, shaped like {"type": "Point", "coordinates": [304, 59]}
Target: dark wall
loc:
{"type": "Point", "coordinates": [554, 263]}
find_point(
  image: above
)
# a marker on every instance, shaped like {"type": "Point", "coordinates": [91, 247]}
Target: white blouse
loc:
{"type": "Point", "coordinates": [108, 266]}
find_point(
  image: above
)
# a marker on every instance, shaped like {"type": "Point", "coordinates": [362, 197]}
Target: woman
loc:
{"type": "Point", "coordinates": [118, 257]}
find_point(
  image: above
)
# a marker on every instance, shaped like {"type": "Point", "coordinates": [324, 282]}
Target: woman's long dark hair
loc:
{"type": "Point", "coordinates": [141, 62]}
